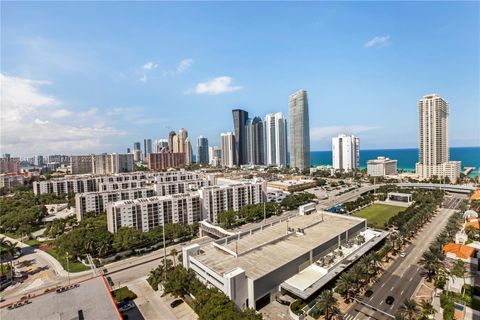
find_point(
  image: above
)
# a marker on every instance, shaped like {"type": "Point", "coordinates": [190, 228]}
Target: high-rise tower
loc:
{"type": "Point", "coordinates": [433, 140]}
{"type": "Point", "coordinates": [240, 118]}
{"type": "Point", "coordinates": [299, 130]}
{"type": "Point", "coordinates": [275, 139]}
{"type": "Point", "coordinates": [255, 141]}
{"type": "Point", "coordinates": [202, 150]}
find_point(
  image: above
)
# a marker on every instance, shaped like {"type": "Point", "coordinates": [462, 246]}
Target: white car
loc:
{"type": "Point", "coordinates": [126, 307]}
{"type": "Point", "coordinates": [402, 254]}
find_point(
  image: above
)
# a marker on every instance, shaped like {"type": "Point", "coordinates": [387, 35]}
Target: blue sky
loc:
{"type": "Point", "coordinates": [97, 76]}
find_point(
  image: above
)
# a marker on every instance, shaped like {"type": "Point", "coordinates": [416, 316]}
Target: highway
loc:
{"type": "Point", "coordinates": [402, 278]}
{"type": "Point", "coordinates": [338, 199]}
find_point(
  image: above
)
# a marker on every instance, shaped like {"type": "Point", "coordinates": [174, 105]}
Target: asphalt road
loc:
{"type": "Point", "coordinates": [404, 275]}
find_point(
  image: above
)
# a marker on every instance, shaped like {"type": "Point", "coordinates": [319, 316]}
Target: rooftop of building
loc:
{"type": "Point", "coordinates": [381, 160]}
{"type": "Point", "coordinates": [155, 199]}
{"type": "Point", "coordinates": [265, 250]}
{"type": "Point", "coordinates": [459, 250]}
{"type": "Point", "coordinates": [91, 298]}
{"type": "Point", "coordinates": [291, 182]}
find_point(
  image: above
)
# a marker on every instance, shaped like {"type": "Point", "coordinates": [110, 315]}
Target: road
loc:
{"type": "Point", "coordinates": [404, 275]}
{"type": "Point", "coordinates": [331, 202]}
{"type": "Point", "coordinates": [45, 273]}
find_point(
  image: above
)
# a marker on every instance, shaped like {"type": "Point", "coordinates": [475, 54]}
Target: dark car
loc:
{"type": "Point", "coordinates": [389, 300]}
{"type": "Point", "coordinates": [176, 303]}
{"type": "Point", "coordinates": [368, 293]}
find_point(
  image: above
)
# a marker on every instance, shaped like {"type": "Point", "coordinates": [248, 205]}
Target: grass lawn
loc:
{"type": "Point", "coordinates": [377, 215]}
{"type": "Point", "coordinates": [74, 266]}
{"type": "Point", "coordinates": [123, 293]}
{"type": "Point", "coordinates": [32, 242]}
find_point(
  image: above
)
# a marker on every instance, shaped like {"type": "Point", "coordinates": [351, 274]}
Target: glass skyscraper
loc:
{"type": "Point", "coordinates": [299, 130]}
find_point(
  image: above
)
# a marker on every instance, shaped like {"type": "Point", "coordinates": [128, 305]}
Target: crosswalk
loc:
{"type": "Point", "coordinates": [357, 316]}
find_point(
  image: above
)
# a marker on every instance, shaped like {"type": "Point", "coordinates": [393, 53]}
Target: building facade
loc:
{"type": "Point", "coordinates": [166, 160]}
{"type": "Point", "coordinates": [216, 199]}
{"type": "Point", "coordinates": [9, 164]}
{"type": "Point", "coordinates": [215, 156]}
{"type": "Point", "coordinates": [188, 152]}
{"type": "Point", "coordinates": [147, 147]}
{"type": "Point", "coordinates": [255, 141]}
{"type": "Point", "coordinates": [228, 149]}
{"type": "Point", "coordinates": [81, 164]}
{"type": "Point", "coordinates": [202, 150]}
{"type": "Point", "coordinates": [299, 130]}
{"type": "Point", "coordinates": [240, 118]}
{"type": "Point", "coordinates": [434, 158]}
{"type": "Point", "coordinates": [345, 153]}
{"type": "Point", "coordinates": [381, 167]}
{"type": "Point", "coordinates": [147, 213]}
{"type": "Point", "coordinates": [275, 139]}
{"type": "Point", "coordinates": [97, 201]}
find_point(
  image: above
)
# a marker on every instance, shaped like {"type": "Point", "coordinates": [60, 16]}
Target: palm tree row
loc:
{"type": "Point", "coordinates": [411, 310]}
{"type": "Point", "coordinates": [432, 259]}
{"type": "Point", "coordinates": [350, 283]}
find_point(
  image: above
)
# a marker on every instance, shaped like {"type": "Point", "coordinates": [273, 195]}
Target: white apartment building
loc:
{"type": "Point", "coordinates": [97, 201]}
{"type": "Point", "coordinates": [381, 167]}
{"type": "Point", "coordinates": [215, 156]}
{"type": "Point", "coordinates": [168, 188]}
{"type": "Point", "coordinates": [147, 213]}
{"type": "Point", "coordinates": [276, 139]}
{"type": "Point", "coordinates": [228, 149]}
{"type": "Point", "coordinates": [91, 183]}
{"type": "Point", "coordinates": [219, 198]}
{"type": "Point", "coordinates": [433, 140]}
{"type": "Point", "coordinates": [345, 152]}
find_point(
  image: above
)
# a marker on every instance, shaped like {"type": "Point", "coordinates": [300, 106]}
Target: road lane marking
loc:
{"type": "Point", "coordinates": [392, 288]}
{"type": "Point", "coordinates": [382, 285]}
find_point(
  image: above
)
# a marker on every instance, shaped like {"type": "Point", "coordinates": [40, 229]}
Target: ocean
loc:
{"type": "Point", "coordinates": [469, 156]}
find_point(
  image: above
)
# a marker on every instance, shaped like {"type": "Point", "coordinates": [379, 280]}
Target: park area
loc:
{"type": "Point", "coordinates": [377, 215]}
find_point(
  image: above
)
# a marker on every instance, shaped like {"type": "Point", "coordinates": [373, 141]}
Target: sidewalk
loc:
{"type": "Point", "coordinates": [56, 266]}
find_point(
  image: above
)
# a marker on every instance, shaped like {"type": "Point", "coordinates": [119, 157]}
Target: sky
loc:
{"type": "Point", "coordinates": [90, 77]}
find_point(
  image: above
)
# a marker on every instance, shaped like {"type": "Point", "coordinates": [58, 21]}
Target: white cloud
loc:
{"type": "Point", "coordinates": [215, 86]}
{"type": "Point", "coordinates": [149, 65]}
{"type": "Point", "coordinates": [89, 113]}
{"type": "Point", "coordinates": [24, 133]}
{"type": "Point", "coordinates": [184, 65]}
{"type": "Point", "coordinates": [38, 121]}
{"type": "Point", "coordinates": [321, 133]}
{"type": "Point", "coordinates": [61, 113]}
{"type": "Point", "coordinates": [378, 41]}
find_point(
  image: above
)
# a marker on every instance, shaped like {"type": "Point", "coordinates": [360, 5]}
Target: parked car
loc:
{"type": "Point", "coordinates": [176, 303]}
{"type": "Point", "coordinates": [368, 293]}
{"type": "Point", "coordinates": [126, 307]}
{"type": "Point", "coordinates": [403, 254]}
{"type": "Point", "coordinates": [281, 301]}
{"type": "Point", "coordinates": [389, 300]}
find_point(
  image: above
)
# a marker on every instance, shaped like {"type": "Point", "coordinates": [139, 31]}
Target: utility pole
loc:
{"type": "Point", "coordinates": [68, 270]}
{"type": "Point", "coordinates": [264, 213]}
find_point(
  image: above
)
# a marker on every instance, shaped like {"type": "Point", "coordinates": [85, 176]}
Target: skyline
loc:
{"type": "Point", "coordinates": [83, 89]}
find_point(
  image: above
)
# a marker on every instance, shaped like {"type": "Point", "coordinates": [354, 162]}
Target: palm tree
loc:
{"type": "Point", "coordinates": [427, 308]}
{"type": "Point", "coordinates": [12, 249]}
{"type": "Point", "coordinates": [358, 272]}
{"type": "Point", "coordinates": [345, 285]}
{"type": "Point", "coordinates": [328, 304]}
{"type": "Point", "coordinates": [430, 262]}
{"type": "Point", "coordinates": [174, 253]}
{"type": "Point", "coordinates": [3, 252]}
{"type": "Point", "coordinates": [409, 309]}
